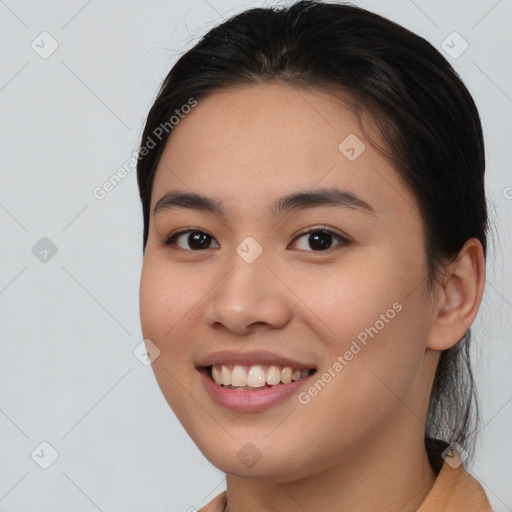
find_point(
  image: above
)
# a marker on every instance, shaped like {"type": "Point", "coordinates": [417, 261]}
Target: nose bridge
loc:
{"type": "Point", "coordinates": [246, 284]}
{"type": "Point", "coordinates": [248, 293]}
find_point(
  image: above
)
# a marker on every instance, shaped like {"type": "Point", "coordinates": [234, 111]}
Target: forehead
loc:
{"type": "Point", "coordinates": [252, 125]}
{"type": "Point", "coordinates": [260, 141]}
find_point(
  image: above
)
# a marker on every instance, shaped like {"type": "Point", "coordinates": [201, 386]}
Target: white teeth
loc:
{"type": "Point", "coordinates": [255, 376]}
{"type": "Point", "coordinates": [286, 375]}
{"type": "Point", "coordinates": [226, 376]}
{"type": "Point", "coordinates": [217, 376]}
{"type": "Point", "coordinates": [238, 376]}
{"type": "Point", "coordinates": [273, 375]}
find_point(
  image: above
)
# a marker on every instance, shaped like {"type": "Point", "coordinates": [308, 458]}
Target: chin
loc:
{"type": "Point", "coordinates": [250, 462]}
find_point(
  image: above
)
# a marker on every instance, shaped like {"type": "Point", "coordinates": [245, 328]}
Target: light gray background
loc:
{"type": "Point", "coordinates": [69, 325]}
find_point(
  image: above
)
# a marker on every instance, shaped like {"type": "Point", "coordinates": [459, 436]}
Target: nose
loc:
{"type": "Point", "coordinates": [248, 297]}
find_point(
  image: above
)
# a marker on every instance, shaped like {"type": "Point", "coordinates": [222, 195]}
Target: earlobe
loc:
{"type": "Point", "coordinates": [459, 299]}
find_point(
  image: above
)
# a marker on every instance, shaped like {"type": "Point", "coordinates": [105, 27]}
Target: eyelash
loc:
{"type": "Point", "coordinates": [170, 241]}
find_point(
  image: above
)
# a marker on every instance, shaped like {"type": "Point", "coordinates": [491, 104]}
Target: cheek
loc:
{"type": "Point", "coordinates": [163, 308]}
{"type": "Point", "coordinates": [154, 301]}
{"type": "Point", "coordinates": [360, 295]}
{"type": "Point", "coordinates": [167, 299]}
{"type": "Point", "coordinates": [366, 315]}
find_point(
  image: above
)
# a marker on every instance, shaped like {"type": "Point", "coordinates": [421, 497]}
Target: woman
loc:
{"type": "Point", "coordinates": [312, 182]}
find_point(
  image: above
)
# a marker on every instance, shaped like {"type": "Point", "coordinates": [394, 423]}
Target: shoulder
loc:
{"type": "Point", "coordinates": [217, 504]}
{"type": "Point", "coordinates": [455, 490]}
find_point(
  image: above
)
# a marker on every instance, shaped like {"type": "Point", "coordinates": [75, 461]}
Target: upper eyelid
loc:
{"type": "Point", "coordinates": [315, 229]}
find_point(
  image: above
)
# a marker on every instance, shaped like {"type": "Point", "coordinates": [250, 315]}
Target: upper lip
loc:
{"type": "Point", "coordinates": [251, 358]}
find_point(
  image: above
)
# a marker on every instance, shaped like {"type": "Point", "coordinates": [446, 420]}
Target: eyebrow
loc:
{"type": "Point", "coordinates": [334, 197]}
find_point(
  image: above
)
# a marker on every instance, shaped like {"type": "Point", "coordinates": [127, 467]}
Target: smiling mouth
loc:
{"type": "Point", "coordinates": [255, 377]}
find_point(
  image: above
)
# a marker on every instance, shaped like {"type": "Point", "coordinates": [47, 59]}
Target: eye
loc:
{"type": "Point", "coordinates": [321, 239]}
{"type": "Point", "coordinates": [197, 240]}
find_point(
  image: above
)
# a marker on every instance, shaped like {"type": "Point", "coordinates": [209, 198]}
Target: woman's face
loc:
{"type": "Point", "coordinates": [247, 288]}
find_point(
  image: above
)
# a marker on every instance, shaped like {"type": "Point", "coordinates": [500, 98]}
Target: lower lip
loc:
{"type": "Point", "coordinates": [250, 401]}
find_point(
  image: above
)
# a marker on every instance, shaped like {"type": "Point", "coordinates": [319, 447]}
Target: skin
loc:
{"type": "Point", "coordinates": [360, 440]}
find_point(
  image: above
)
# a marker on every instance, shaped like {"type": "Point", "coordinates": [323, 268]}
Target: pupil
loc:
{"type": "Point", "coordinates": [197, 240]}
{"type": "Point", "coordinates": [320, 240]}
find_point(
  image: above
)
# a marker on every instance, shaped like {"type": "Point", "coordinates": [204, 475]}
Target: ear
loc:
{"type": "Point", "coordinates": [458, 297]}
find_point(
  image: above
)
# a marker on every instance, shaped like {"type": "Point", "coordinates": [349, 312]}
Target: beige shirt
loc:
{"type": "Point", "coordinates": [454, 490]}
